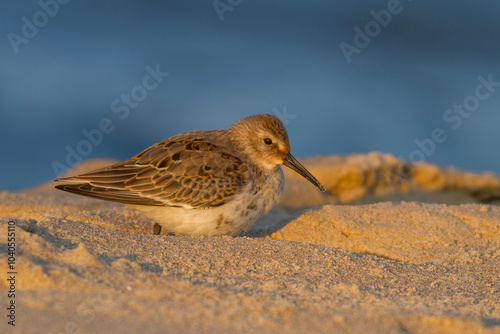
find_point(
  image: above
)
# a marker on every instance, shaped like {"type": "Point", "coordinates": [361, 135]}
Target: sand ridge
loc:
{"type": "Point", "coordinates": [387, 267]}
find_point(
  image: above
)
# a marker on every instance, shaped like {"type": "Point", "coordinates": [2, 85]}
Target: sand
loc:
{"type": "Point", "coordinates": [391, 248]}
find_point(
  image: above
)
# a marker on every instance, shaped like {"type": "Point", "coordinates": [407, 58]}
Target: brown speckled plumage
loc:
{"type": "Point", "coordinates": [201, 182]}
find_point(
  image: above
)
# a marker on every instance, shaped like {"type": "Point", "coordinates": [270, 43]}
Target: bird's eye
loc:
{"type": "Point", "coordinates": [268, 141]}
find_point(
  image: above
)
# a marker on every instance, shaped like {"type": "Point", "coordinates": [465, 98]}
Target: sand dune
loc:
{"type": "Point", "coordinates": [391, 248]}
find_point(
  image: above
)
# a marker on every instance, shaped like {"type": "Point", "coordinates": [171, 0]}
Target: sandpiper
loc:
{"type": "Point", "coordinates": [216, 182]}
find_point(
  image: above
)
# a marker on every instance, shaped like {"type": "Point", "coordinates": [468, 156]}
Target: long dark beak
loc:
{"type": "Point", "coordinates": [292, 163]}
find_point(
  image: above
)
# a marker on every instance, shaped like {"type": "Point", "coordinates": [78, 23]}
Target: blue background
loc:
{"type": "Point", "coordinates": [263, 56]}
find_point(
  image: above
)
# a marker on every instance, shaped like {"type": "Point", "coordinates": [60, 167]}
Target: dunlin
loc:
{"type": "Point", "coordinates": [215, 182]}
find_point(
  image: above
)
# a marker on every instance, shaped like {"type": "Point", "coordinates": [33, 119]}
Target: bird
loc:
{"type": "Point", "coordinates": [215, 182]}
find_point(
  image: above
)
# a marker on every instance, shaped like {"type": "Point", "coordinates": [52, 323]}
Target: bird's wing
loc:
{"type": "Point", "coordinates": [190, 173]}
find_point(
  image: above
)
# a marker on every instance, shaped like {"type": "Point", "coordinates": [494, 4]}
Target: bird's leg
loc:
{"type": "Point", "coordinates": [156, 229]}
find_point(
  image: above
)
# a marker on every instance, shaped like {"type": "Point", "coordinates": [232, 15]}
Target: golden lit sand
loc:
{"type": "Point", "coordinates": [316, 263]}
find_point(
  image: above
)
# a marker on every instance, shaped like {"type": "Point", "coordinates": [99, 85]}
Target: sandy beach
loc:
{"type": "Point", "coordinates": [390, 248]}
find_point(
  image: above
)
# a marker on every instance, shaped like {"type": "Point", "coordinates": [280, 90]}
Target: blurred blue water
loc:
{"type": "Point", "coordinates": [263, 56]}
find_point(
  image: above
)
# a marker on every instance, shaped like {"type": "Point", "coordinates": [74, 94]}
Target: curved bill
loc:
{"type": "Point", "coordinates": [293, 164]}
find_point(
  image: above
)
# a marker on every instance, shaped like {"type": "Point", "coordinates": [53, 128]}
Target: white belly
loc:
{"type": "Point", "coordinates": [231, 218]}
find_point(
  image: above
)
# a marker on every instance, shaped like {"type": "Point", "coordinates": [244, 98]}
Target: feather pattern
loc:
{"type": "Point", "coordinates": [179, 171]}
{"type": "Point", "coordinates": [234, 174]}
